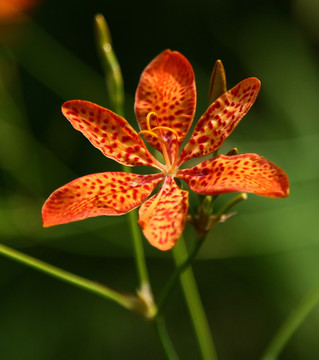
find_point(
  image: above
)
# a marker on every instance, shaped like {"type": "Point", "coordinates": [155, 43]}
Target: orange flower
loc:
{"type": "Point", "coordinates": [165, 105]}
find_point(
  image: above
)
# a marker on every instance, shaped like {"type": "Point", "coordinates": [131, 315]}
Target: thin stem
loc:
{"type": "Point", "coordinates": [111, 67]}
{"type": "Point", "coordinates": [138, 247]}
{"type": "Point", "coordinates": [229, 205]}
{"type": "Point", "coordinates": [114, 81]}
{"type": "Point", "coordinates": [128, 301]}
{"type": "Point", "coordinates": [194, 251]}
{"type": "Point", "coordinates": [171, 283]}
{"type": "Point", "coordinates": [194, 304]}
{"type": "Point", "coordinates": [166, 343]}
{"type": "Point", "coordinates": [291, 324]}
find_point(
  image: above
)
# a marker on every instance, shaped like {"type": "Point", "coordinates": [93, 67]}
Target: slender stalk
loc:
{"type": "Point", "coordinates": [194, 251]}
{"type": "Point", "coordinates": [166, 343]}
{"type": "Point", "coordinates": [166, 292]}
{"type": "Point", "coordinates": [115, 86]}
{"type": "Point", "coordinates": [128, 301]}
{"type": "Point", "coordinates": [291, 324]}
{"type": "Point", "coordinates": [194, 303]}
{"type": "Point", "coordinates": [138, 248]}
{"type": "Point", "coordinates": [229, 205]}
{"type": "Point", "coordinates": [110, 64]}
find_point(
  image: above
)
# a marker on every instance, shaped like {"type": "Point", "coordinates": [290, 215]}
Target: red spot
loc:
{"type": "Point", "coordinates": [125, 138]}
{"type": "Point", "coordinates": [202, 139]}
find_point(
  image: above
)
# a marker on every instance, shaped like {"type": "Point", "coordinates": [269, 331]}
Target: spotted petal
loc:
{"type": "Point", "coordinates": [220, 119]}
{"type": "Point", "coordinates": [242, 173]}
{"type": "Point", "coordinates": [163, 216]}
{"type": "Point", "coordinates": [167, 87]}
{"type": "Point", "coordinates": [109, 132]}
{"type": "Point", "coordinates": [110, 193]}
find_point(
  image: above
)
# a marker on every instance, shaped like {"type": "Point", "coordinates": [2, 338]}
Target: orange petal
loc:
{"type": "Point", "coordinates": [110, 193]}
{"type": "Point", "coordinates": [163, 216]}
{"type": "Point", "coordinates": [167, 87]}
{"type": "Point", "coordinates": [109, 132]}
{"type": "Point", "coordinates": [220, 119]}
{"type": "Point", "coordinates": [242, 173]}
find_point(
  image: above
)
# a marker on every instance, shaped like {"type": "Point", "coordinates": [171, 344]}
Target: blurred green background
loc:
{"type": "Point", "coordinates": [252, 271]}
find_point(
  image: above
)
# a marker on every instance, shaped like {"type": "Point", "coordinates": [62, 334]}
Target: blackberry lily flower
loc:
{"type": "Point", "coordinates": [165, 104]}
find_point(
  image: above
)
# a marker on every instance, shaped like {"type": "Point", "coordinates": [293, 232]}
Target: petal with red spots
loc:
{"type": "Point", "coordinates": [109, 132]}
{"type": "Point", "coordinates": [110, 193]}
{"type": "Point", "coordinates": [167, 87]}
{"type": "Point", "coordinates": [162, 217]}
{"type": "Point", "coordinates": [220, 119]}
{"type": "Point", "coordinates": [242, 173]}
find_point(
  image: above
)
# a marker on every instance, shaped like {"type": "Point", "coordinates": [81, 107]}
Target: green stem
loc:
{"type": "Point", "coordinates": [138, 248]}
{"type": "Point", "coordinates": [166, 343]}
{"type": "Point", "coordinates": [128, 301]}
{"type": "Point", "coordinates": [291, 324]}
{"type": "Point", "coordinates": [166, 292]}
{"type": "Point", "coordinates": [114, 82]}
{"type": "Point", "coordinates": [110, 64]}
{"type": "Point", "coordinates": [235, 200]}
{"type": "Point", "coordinates": [194, 303]}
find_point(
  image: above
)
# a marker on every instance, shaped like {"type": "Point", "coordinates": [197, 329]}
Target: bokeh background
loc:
{"type": "Point", "coordinates": [252, 270]}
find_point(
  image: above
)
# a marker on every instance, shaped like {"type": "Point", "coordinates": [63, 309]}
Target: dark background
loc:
{"type": "Point", "coordinates": [252, 270]}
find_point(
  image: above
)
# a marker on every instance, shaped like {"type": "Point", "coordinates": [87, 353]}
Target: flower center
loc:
{"type": "Point", "coordinates": [157, 132]}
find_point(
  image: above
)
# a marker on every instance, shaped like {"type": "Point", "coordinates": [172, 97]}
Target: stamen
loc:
{"type": "Point", "coordinates": [151, 131]}
{"type": "Point", "coordinates": [148, 119]}
{"type": "Point", "coordinates": [166, 128]}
